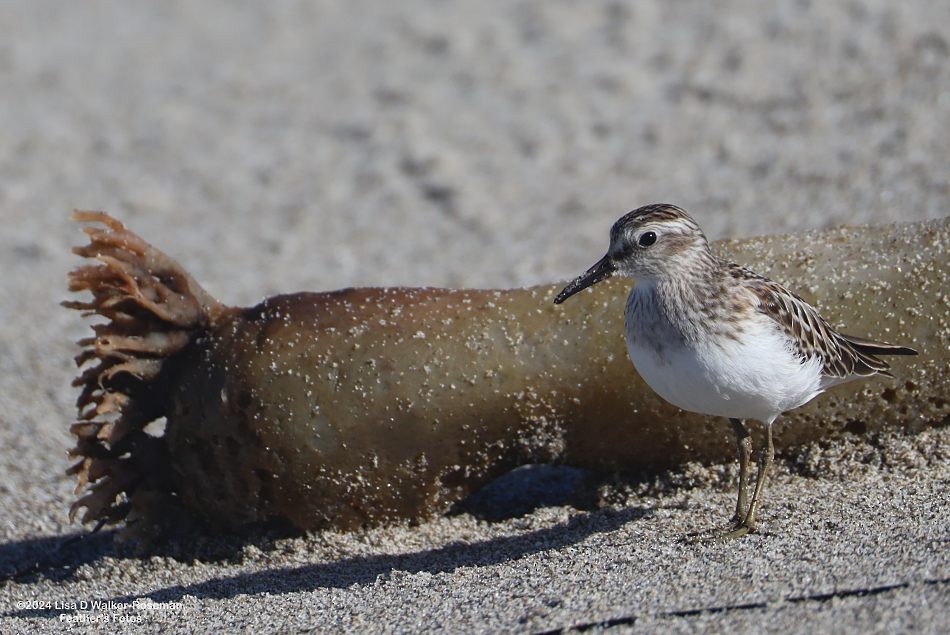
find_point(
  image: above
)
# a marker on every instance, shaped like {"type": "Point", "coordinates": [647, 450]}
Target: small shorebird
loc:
{"type": "Point", "coordinates": [712, 337]}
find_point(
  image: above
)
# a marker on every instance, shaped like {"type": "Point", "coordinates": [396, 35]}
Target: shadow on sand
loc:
{"type": "Point", "coordinates": [58, 558]}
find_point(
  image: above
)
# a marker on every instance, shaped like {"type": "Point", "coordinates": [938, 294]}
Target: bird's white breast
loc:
{"type": "Point", "coordinates": [752, 376]}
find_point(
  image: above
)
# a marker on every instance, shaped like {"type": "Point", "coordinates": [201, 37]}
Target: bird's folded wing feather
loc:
{"type": "Point", "coordinates": [809, 334]}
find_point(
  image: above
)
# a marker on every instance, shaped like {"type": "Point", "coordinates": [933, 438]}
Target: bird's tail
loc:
{"type": "Point", "coordinates": [870, 347]}
{"type": "Point", "coordinates": [867, 351]}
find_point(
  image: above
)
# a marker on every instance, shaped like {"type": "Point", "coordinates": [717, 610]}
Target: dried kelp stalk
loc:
{"type": "Point", "coordinates": [358, 406]}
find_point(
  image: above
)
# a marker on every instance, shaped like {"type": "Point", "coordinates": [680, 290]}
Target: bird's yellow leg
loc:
{"type": "Point", "coordinates": [744, 445]}
{"type": "Point", "coordinates": [747, 525]}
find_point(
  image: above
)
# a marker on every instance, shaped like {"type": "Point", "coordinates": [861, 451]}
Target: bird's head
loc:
{"type": "Point", "coordinates": [649, 243]}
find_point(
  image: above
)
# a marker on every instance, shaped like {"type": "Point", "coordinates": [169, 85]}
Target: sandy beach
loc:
{"type": "Point", "coordinates": [313, 145]}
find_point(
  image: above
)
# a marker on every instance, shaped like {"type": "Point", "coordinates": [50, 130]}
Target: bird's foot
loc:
{"type": "Point", "coordinates": [735, 529]}
{"type": "Point", "coordinates": [740, 526]}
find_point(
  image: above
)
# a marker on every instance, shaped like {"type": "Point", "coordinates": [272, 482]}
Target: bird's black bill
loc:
{"type": "Point", "coordinates": [600, 271]}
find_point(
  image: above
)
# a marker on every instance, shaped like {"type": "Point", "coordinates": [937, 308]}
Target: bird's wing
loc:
{"type": "Point", "coordinates": [810, 335]}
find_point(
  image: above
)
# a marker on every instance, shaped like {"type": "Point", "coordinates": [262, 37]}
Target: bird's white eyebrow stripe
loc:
{"type": "Point", "coordinates": [660, 226]}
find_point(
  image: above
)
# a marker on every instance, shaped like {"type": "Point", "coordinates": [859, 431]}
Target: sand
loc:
{"type": "Point", "coordinates": [297, 145]}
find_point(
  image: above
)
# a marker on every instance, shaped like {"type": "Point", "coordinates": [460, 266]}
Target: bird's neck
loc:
{"type": "Point", "coordinates": [688, 296]}
{"type": "Point", "coordinates": [688, 277]}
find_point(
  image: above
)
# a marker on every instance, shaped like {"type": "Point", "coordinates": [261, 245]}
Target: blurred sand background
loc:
{"type": "Point", "coordinates": [284, 146]}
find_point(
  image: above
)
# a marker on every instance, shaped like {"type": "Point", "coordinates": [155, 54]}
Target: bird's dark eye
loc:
{"type": "Point", "coordinates": [647, 239]}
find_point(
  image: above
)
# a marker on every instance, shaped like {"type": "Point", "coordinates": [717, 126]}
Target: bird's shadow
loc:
{"type": "Point", "coordinates": [59, 557]}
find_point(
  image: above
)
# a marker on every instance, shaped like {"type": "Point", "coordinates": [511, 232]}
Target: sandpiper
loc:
{"type": "Point", "coordinates": [712, 337]}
